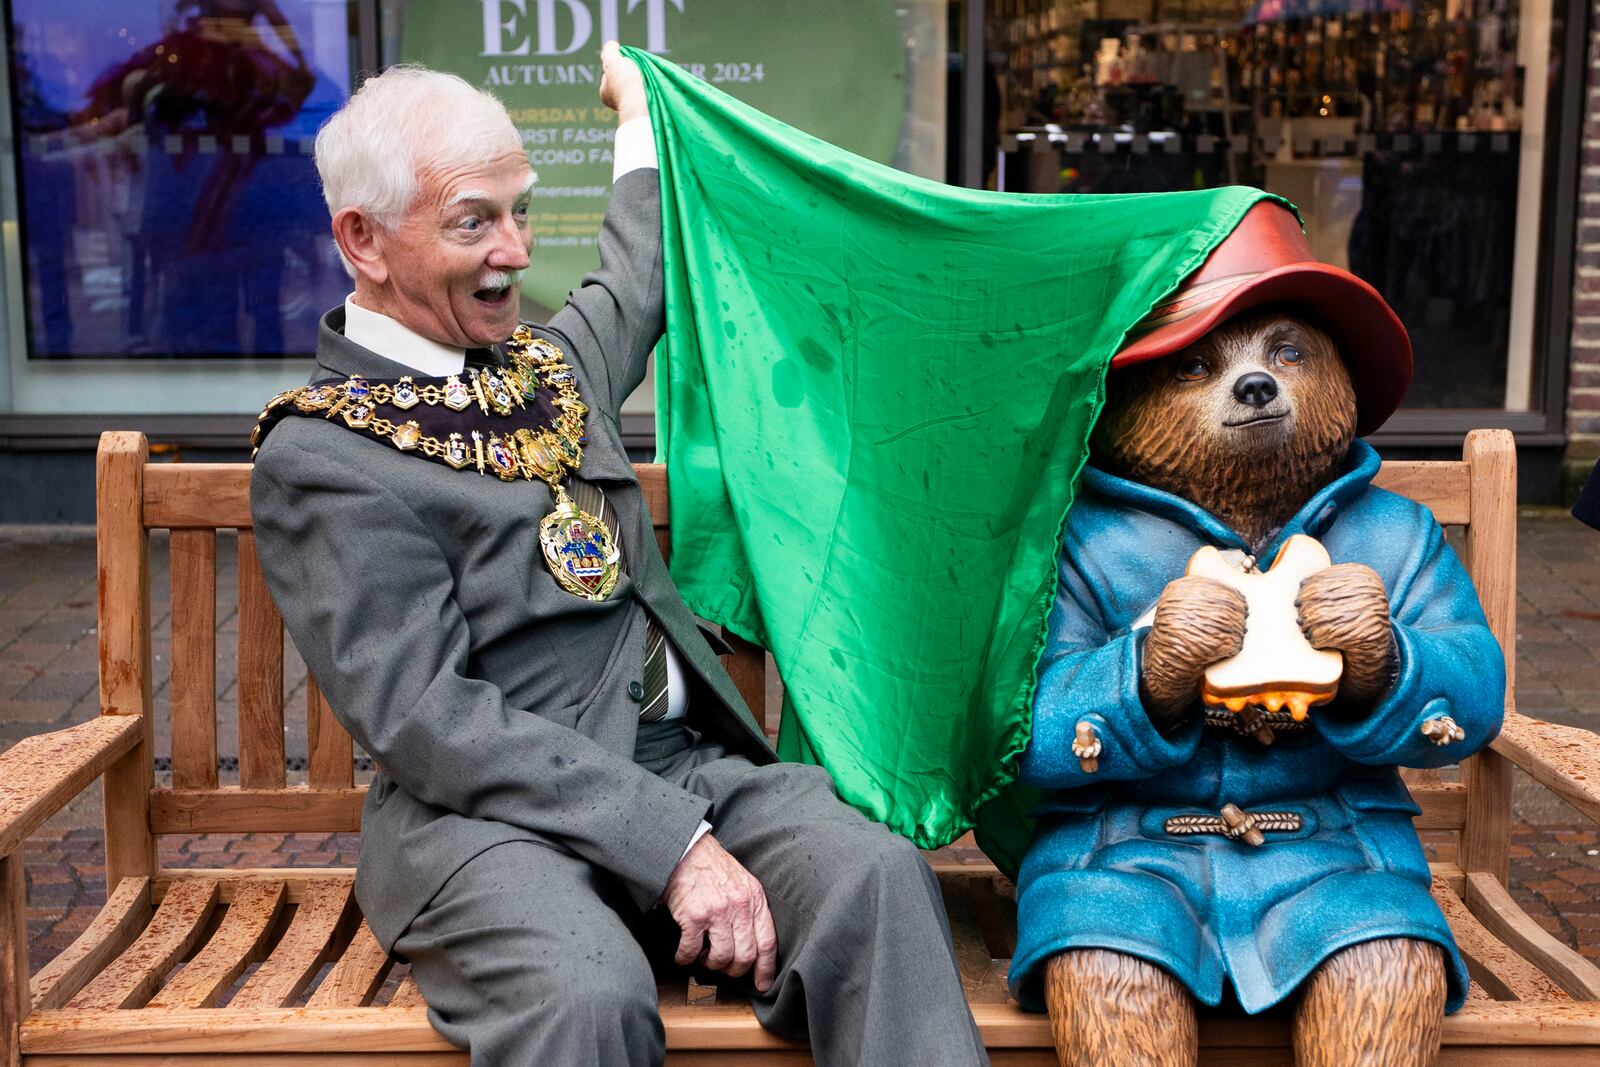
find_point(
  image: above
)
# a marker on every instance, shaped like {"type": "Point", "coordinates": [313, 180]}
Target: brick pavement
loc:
{"type": "Point", "coordinates": [47, 680]}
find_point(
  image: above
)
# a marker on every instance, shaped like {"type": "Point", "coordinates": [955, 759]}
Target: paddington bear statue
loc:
{"type": "Point", "coordinates": [1187, 853]}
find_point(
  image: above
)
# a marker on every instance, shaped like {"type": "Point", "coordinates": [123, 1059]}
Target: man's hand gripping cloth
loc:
{"type": "Point", "coordinates": [875, 398]}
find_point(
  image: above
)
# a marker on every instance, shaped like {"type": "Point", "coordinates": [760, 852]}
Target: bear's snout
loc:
{"type": "Point", "coordinates": [1257, 389]}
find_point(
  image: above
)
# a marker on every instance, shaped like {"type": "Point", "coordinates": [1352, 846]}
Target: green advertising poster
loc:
{"type": "Point", "coordinates": [867, 75]}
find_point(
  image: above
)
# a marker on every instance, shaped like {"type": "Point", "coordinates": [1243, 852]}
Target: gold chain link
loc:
{"type": "Point", "coordinates": [548, 452]}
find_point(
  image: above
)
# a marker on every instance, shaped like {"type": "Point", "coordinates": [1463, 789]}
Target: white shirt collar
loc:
{"type": "Point", "coordinates": [379, 333]}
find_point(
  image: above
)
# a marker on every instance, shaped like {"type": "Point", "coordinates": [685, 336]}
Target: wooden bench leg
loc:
{"type": "Point", "coordinates": [14, 999]}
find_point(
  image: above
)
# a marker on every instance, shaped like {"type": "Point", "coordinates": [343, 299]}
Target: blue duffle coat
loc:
{"type": "Point", "coordinates": [1102, 872]}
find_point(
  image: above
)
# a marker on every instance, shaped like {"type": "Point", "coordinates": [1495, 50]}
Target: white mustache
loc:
{"type": "Point", "coordinates": [499, 279]}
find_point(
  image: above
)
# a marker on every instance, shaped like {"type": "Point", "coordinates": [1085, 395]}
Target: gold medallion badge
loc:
{"type": "Point", "coordinates": [579, 549]}
{"type": "Point", "coordinates": [509, 438]}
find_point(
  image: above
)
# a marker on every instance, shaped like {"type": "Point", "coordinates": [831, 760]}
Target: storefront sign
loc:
{"type": "Point", "coordinates": [834, 68]}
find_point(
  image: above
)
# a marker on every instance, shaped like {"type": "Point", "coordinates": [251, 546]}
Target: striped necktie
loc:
{"type": "Point", "coordinates": [589, 497]}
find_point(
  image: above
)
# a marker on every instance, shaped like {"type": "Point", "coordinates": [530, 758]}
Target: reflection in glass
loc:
{"type": "Point", "coordinates": [1409, 133]}
{"type": "Point", "coordinates": [169, 202]}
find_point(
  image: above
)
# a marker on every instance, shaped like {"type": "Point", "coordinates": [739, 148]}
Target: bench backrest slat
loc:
{"type": "Point", "coordinates": [260, 675]}
{"type": "Point", "coordinates": [1491, 549]}
{"type": "Point", "coordinates": [214, 495]}
{"type": "Point", "coordinates": [1443, 486]}
{"type": "Point", "coordinates": [194, 658]}
{"type": "Point", "coordinates": [195, 500]}
{"type": "Point", "coordinates": [328, 747]}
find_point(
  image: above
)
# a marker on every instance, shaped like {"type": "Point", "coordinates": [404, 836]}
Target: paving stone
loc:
{"type": "Point", "coordinates": [315, 859]}
{"type": "Point", "coordinates": [13, 671]}
{"type": "Point", "coordinates": [41, 712]}
{"type": "Point", "coordinates": [58, 627]}
{"type": "Point", "coordinates": [33, 654]}
{"type": "Point", "coordinates": [58, 686]}
{"type": "Point", "coordinates": [215, 859]}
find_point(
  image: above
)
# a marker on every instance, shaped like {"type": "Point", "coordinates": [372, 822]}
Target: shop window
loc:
{"type": "Point", "coordinates": [869, 75]}
{"type": "Point", "coordinates": [168, 201]}
{"type": "Point", "coordinates": [1411, 133]}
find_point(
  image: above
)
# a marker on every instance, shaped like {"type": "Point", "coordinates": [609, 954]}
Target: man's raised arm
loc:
{"type": "Point", "coordinates": [619, 309]}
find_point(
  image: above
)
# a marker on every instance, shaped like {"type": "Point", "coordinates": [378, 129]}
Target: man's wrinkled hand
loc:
{"type": "Point", "coordinates": [621, 84]}
{"type": "Point", "coordinates": [714, 899]}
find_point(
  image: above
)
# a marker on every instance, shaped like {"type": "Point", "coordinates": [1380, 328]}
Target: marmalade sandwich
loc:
{"type": "Point", "coordinates": [1277, 668]}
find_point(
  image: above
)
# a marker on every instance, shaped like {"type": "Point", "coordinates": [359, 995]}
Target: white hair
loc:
{"type": "Point", "coordinates": [405, 121]}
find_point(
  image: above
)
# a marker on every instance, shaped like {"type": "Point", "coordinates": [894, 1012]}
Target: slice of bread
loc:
{"type": "Point", "coordinates": [1277, 667]}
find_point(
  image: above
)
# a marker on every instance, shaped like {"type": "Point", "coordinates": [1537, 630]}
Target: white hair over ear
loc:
{"type": "Point", "coordinates": [399, 124]}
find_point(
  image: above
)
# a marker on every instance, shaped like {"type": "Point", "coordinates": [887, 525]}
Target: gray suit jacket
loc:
{"type": "Point", "coordinates": [497, 707]}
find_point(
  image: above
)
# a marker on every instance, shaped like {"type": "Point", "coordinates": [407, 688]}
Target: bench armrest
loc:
{"type": "Point", "coordinates": [1564, 759]}
{"type": "Point", "coordinates": [38, 775]}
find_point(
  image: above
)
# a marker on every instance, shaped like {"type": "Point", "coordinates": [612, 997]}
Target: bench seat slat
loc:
{"type": "Point", "coordinates": [356, 977]}
{"type": "Point", "coordinates": [1570, 1030]}
{"type": "Point", "coordinates": [123, 917]}
{"type": "Point", "coordinates": [236, 944]}
{"type": "Point", "coordinates": [293, 964]}
{"type": "Point", "coordinates": [136, 974]}
{"type": "Point", "coordinates": [407, 995]}
{"type": "Point", "coordinates": [298, 880]}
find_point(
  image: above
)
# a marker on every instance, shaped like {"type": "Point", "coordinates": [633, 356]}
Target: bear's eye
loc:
{"type": "Point", "coordinates": [1289, 356]}
{"type": "Point", "coordinates": [1193, 369]}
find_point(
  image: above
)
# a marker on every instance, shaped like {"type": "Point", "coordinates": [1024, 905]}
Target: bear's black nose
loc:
{"type": "Point", "coordinates": [1257, 389]}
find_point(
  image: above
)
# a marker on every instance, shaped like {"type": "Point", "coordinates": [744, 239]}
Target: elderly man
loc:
{"type": "Point", "coordinates": [569, 786]}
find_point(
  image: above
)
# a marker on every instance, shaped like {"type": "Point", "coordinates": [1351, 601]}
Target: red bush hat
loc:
{"type": "Point", "coordinates": [1267, 260]}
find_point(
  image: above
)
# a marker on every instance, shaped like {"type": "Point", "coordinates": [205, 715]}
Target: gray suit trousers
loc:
{"type": "Point", "coordinates": [530, 955]}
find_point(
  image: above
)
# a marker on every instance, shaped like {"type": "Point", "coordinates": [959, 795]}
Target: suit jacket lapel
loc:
{"type": "Point", "coordinates": [340, 357]}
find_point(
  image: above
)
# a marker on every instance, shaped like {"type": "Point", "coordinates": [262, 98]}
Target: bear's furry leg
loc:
{"type": "Point", "coordinates": [1376, 1004]}
{"type": "Point", "coordinates": [1111, 1008]}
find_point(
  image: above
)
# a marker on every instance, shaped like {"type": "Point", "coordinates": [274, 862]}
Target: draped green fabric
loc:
{"type": "Point", "coordinates": [873, 400]}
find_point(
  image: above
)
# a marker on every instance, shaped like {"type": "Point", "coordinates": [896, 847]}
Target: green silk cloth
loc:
{"type": "Point", "coordinates": [875, 396]}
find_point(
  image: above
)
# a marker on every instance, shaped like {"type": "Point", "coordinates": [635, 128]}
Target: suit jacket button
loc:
{"type": "Point", "coordinates": [636, 690]}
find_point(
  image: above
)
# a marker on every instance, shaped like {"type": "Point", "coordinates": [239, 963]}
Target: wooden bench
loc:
{"type": "Point", "coordinates": [272, 967]}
